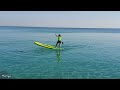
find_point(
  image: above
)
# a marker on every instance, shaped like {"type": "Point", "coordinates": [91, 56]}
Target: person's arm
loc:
{"type": "Point", "coordinates": [56, 35]}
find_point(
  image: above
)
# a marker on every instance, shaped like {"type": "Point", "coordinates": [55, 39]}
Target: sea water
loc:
{"type": "Point", "coordinates": [89, 53]}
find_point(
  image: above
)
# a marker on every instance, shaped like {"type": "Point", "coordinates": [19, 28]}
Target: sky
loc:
{"type": "Point", "coordinates": [69, 19]}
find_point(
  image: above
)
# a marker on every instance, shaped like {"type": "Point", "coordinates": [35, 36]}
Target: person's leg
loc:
{"type": "Point", "coordinates": [56, 44]}
{"type": "Point", "coordinates": [59, 45]}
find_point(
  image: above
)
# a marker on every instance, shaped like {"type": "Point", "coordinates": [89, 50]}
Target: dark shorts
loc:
{"type": "Point", "coordinates": [58, 41]}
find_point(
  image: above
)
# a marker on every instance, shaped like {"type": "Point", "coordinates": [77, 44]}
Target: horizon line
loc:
{"type": "Point", "coordinates": [62, 27]}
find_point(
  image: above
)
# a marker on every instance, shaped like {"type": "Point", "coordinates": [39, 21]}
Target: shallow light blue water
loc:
{"type": "Point", "coordinates": [88, 54]}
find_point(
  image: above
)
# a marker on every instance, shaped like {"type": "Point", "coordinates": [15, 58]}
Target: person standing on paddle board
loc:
{"type": "Point", "coordinates": [59, 40]}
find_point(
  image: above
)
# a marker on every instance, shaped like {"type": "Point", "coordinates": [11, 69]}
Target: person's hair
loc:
{"type": "Point", "coordinates": [59, 35]}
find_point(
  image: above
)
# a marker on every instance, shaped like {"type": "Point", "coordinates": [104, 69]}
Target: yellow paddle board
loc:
{"type": "Point", "coordinates": [47, 45]}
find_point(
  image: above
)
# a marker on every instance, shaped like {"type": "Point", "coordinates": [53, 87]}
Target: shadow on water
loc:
{"type": "Point", "coordinates": [58, 54]}
{"type": "Point", "coordinates": [44, 51]}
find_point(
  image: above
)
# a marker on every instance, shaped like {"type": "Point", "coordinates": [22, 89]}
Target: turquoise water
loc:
{"type": "Point", "coordinates": [87, 54]}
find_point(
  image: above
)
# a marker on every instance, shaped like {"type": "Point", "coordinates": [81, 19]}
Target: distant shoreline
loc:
{"type": "Point", "coordinates": [56, 27]}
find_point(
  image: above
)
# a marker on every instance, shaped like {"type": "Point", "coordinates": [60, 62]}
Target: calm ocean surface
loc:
{"type": "Point", "coordinates": [88, 53]}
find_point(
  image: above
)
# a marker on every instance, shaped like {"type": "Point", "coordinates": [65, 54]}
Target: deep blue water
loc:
{"type": "Point", "coordinates": [88, 53]}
